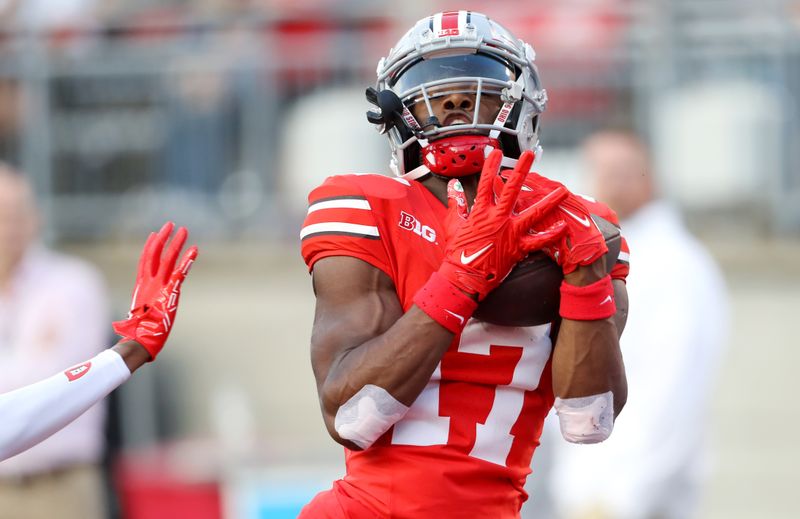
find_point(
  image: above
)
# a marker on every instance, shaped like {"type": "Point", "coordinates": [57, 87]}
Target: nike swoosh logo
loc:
{"type": "Point", "coordinates": [583, 221]}
{"type": "Point", "coordinates": [459, 317]}
{"type": "Point", "coordinates": [606, 300]}
{"type": "Point", "coordinates": [466, 260]}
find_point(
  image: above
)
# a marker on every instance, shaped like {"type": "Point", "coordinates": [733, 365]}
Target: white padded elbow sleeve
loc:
{"type": "Point", "coordinates": [588, 419]}
{"type": "Point", "coordinates": [367, 415]}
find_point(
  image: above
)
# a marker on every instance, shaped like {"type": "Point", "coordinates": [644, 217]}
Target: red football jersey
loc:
{"type": "Point", "coordinates": [464, 448]}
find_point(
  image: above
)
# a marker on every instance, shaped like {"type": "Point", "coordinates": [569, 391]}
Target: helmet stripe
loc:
{"type": "Point", "coordinates": [437, 24]}
{"type": "Point", "coordinates": [450, 20]}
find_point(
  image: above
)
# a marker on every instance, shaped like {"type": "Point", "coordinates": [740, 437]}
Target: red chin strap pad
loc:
{"type": "Point", "coordinates": [457, 156]}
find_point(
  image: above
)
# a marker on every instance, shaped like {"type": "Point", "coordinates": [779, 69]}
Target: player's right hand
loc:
{"type": "Point", "coordinates": [484, 244]}
{"type": "Point", "coordinates": [157, 290]}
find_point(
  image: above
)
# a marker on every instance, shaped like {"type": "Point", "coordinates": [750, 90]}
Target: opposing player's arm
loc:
{"type": "Point", "coordinates": [32, 413]}
{"type": "Point", "coordinates": [362, 338]}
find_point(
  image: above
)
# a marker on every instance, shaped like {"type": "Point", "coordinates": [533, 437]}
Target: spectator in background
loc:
{"type": "Point", "coordinates": [10, 117]}
{"type": "Point", "coordinates": [201, 129]}
{"type": "Point", "coordinates": [654, 464]}
{"type": "Point", "coordinates": [53, 313]}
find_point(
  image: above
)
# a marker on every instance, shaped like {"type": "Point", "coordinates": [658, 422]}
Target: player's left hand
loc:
{"type": "Point", "coordinates": [582, 244]}
{"type": "Point", "coordinates": [157, 290]}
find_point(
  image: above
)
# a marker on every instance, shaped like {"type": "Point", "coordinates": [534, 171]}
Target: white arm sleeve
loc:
{"type": "Point", "coordinates": [32, 413]}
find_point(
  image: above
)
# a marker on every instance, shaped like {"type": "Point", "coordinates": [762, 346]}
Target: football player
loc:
{"type": "Point", "coordinates": [32, 413]}
{"type": "Point", "coordinates": [439, 412]}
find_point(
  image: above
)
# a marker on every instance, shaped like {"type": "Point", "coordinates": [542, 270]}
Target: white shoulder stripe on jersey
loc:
{"type": "Point", "coordinates": [624, 256]}
{"type": "Point", "coordinates": [353, 229]}
{"type": "Point", "coordinates": [339, 203]}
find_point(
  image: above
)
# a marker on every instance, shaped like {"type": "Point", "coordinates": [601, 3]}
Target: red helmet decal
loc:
{"type": "Point", "coordinates": [447, 24]}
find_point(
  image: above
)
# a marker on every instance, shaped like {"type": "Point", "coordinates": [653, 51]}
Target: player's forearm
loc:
{"type": "Point", "coordinates": [34, 412]}
{"type": "Point", "coordinates": [401, 360]}
{"type": "Point", "coordinates": [370, 387]}
{"type": "Point", "coordinates": [587, 361]}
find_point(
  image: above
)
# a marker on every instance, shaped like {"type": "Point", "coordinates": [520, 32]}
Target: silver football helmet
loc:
{"type": "Point", "coordinates": [448, 53]}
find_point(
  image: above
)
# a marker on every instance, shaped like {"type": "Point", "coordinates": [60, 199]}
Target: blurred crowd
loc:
{"type": "Point", "coordinates": [190, 95]}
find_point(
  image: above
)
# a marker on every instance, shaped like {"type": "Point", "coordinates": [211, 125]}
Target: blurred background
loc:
{"type": "Point", "coordinates": [222, 114]}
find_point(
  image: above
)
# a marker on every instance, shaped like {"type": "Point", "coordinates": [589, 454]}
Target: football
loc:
{"type": "Point", "coordinates": [530, 294]}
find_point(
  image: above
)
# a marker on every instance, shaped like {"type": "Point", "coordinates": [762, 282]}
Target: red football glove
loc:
{"type": "Point", "coordinates": [484, 245]}
{"type": "Point", "coordinates": [582, 243]}
{"type": "Point", "coordinates": [157, 290]}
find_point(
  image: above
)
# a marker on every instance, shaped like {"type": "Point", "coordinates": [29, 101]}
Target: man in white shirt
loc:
{"type": "Point", "coordinates": [654, 463]}
{"type": "Point", "coordinates": [53, 315]}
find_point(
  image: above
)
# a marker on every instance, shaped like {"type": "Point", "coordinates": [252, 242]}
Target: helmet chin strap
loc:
{"type": "Point", "coordinates": [508, 162]}
{"type": "Point", "coordinates": [418, 172]}
{"type": "Point", "coordinates": [510, 97]}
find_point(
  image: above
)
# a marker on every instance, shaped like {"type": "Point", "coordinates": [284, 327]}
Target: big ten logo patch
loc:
{"type": "Point", "coordinates": [410, 223]}
{"type": "Point", "coordinates": [77, 372]}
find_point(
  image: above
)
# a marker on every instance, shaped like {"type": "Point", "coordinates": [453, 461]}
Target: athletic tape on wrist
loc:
{"type": "Point", "coordinates": [588, 303]}
{"type": "Point", "coordinates": [444, 303]}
